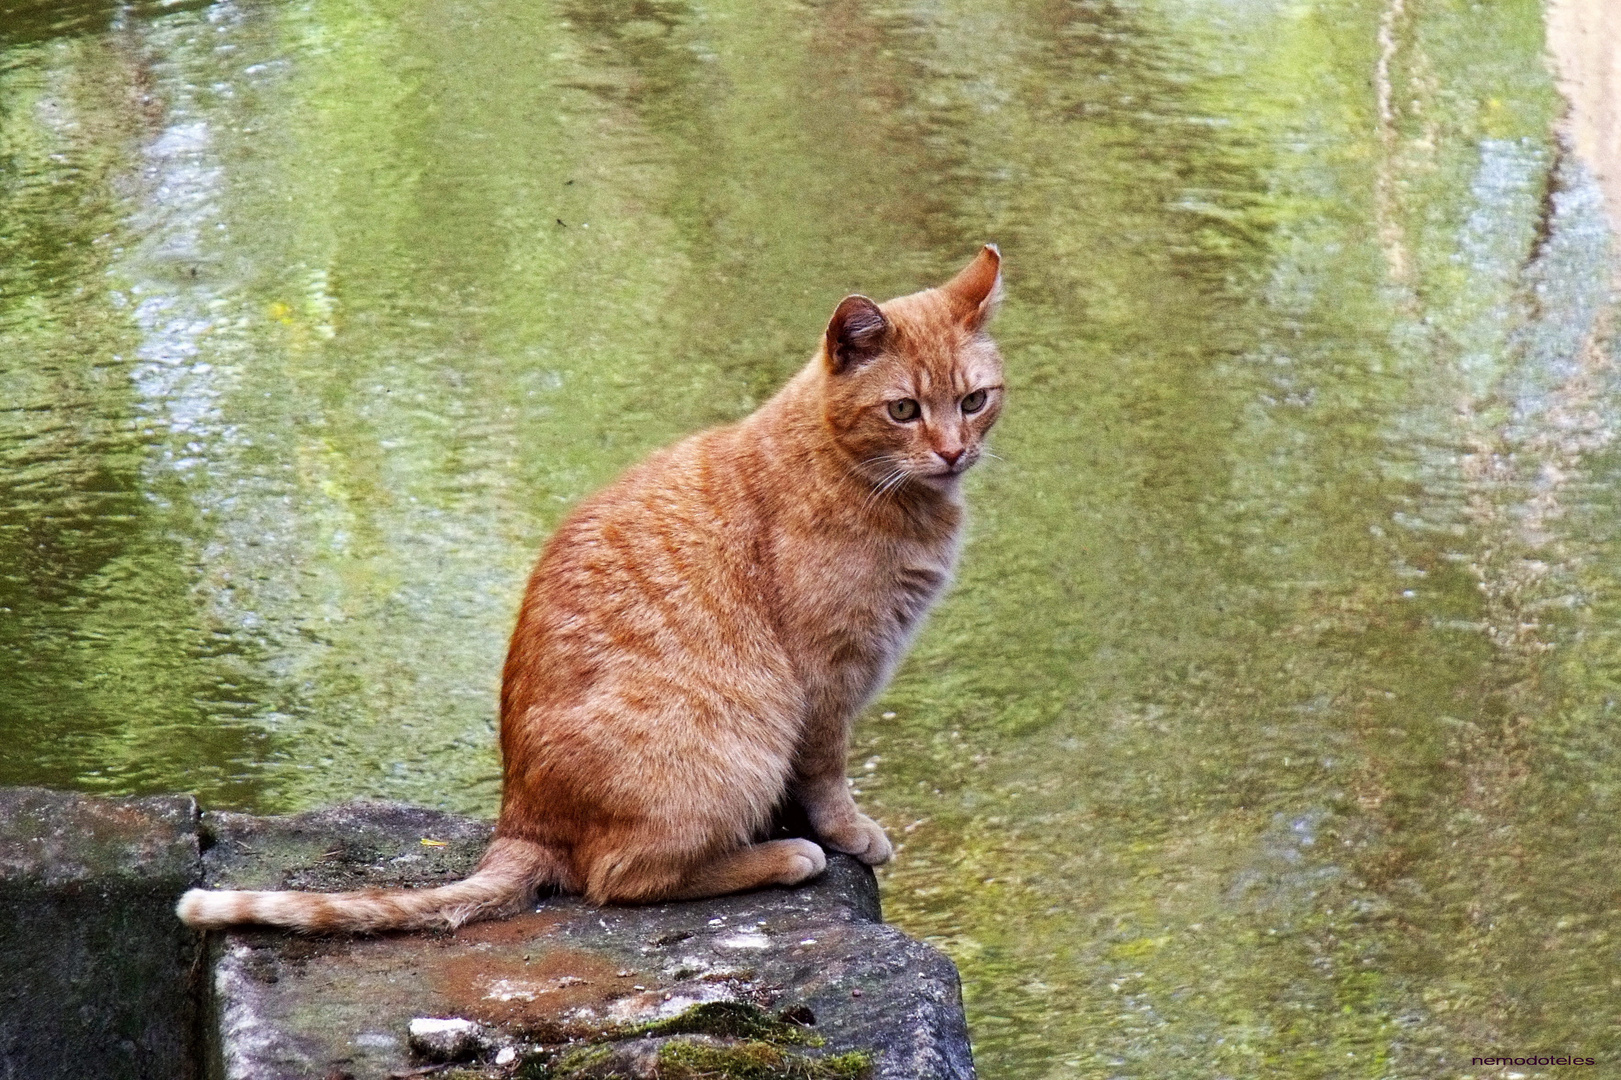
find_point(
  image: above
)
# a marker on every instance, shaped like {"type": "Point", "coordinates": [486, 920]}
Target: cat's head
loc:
{"type": "Point", "coordinates": [913, 385]}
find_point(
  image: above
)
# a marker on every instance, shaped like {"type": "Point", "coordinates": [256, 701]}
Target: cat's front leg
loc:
{"type": "Point", "coordinates": [854, 833]}
{"type": "Point", "coordinates": [825, 794]}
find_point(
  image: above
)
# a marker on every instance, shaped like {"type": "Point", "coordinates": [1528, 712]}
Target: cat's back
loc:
{"type": "Point", "coordinates": [670, 561]}
{"type": "Point", "coordinates": [674, 521]}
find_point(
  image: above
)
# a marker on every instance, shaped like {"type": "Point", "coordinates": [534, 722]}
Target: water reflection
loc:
{"type": "Point", "coordinates": [1265, 733]}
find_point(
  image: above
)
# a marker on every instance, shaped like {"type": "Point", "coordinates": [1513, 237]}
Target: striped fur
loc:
{"type": "Point", "coordinates": [698, 637]}
{"type": "Point", "coordinates": [504, 882]}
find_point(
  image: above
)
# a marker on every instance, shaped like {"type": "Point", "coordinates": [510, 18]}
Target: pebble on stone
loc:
{"type": "Point", "coordinates": [440, 1040]}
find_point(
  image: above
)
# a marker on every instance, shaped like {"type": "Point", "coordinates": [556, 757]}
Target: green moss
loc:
{"type": "Point", "coordinates": [754, 1060]}
{"type": "Point", "coordinates": [733, 1020]}
{"type": "Point", "coordinates": [572, 1063]}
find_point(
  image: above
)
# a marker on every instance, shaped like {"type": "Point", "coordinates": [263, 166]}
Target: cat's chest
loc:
{"type": "Point", "coordinates": [870, 594]}
{"type": "Point", "coordinates": [909, 586]}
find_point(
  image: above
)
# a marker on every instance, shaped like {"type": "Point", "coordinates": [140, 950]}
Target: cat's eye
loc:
{"type": "Point", "coordinates": [974, 402]}
{"type": "Point", "coordinates": [905, 409]}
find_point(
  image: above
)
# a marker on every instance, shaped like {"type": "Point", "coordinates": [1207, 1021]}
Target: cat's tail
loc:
{"type": "Point", "coordinates": [506, 881]}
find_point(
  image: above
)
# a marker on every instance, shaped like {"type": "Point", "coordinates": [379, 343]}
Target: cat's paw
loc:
{"type": "Point", "coordinates": [802, 861]}
{"type": "Point", "coordinates": [862, 837]}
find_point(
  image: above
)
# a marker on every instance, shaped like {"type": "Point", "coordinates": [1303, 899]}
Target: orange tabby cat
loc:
{"type": "Point", "coordinates": [698, 637]}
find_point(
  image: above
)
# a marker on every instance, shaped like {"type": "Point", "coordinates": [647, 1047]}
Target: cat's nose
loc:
{"type": "Point", "coordinates": [950, 457]}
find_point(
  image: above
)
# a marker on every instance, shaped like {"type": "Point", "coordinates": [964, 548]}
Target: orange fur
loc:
{"type": "Point", "coordinates": [697, 638]}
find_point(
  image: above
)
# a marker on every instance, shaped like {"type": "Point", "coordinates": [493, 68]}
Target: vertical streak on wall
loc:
{"type": "Point", "coordinates": [1391, 239]}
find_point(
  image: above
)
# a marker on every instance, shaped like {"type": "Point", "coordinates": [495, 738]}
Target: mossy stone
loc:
{"type": "Point", "coordinates": [734, 1020]}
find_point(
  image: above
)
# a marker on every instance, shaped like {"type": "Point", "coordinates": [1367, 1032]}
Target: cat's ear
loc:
{"type": "Point", "coordinates": [855, 334]}
{"type": "Point", "coordinates": [977, 289]}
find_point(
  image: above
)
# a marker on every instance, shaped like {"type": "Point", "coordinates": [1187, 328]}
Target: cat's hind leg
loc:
{"type": "Point", "coordinates": [642, 877]}
{"type": "Point", "coordinates": [775, 862]}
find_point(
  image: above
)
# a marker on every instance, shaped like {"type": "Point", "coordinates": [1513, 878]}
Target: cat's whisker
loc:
{"type": "Point", "coordinates": [890, 460]}
{"type": "Point", "coordinates": [891, 480]}
{"type": "Point", "coordinates": [893, 484]}
{"type": "Point", "coordinates": [884, 459]}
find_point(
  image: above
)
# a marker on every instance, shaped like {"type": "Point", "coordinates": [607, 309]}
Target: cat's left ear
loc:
{"type": "Point", "coordinates": [977, 289]}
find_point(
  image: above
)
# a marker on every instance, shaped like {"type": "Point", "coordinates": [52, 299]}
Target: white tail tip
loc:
{"type": "Point", "coordinates": [207, 910]}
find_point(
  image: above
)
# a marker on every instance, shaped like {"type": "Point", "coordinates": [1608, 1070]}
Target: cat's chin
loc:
{"type": "Point", "coordinates": [946, 482]}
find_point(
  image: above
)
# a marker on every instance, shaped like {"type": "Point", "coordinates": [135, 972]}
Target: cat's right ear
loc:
{"type": "Point", "coordinates": [855, 334]}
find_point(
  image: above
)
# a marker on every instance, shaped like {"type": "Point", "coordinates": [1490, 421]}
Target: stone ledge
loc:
{"type": "Point", "coordinates": [58, 839]}
{"type": "Point", "coordinates": [103, 981]}
{"type": "Point", "coordinates": [334, 1007]}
